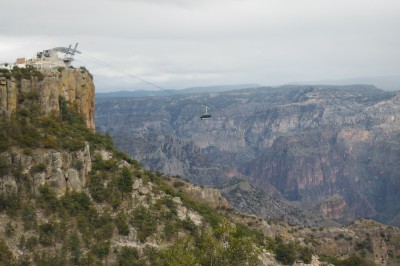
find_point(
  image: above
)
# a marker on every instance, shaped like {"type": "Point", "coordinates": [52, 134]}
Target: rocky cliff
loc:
{"type": "Point", "coordinates": [31, 103]}
{"type": "Point", "coordinates": [304, 144]}
{"type": "Point", "coordinates": [75, 85]}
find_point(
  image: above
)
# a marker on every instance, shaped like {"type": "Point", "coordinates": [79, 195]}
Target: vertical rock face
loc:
{"type": "Point", "coordinates": [8, 96]}
{"type": "Point", "coordinates": [75, 85]}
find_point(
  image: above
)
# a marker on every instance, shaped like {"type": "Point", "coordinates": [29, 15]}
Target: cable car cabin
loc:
{"type": "Point", "coordinates": [205, 116]}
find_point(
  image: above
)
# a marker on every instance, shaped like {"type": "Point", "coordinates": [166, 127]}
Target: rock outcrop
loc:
{"type": "Point", "coordinates": [75, 85]}
{"type": "Point", "coordinates": [62, 171]}
{"type": "Point", "coordinates": [210, 195]}
{"type": "Point", "coordinates": [336, 208]}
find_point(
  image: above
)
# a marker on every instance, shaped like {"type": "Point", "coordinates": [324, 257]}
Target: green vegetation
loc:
{"type": "Point", "coordinates": [64, 131]}
{"type": "Point", "coordinates": [128, 256]}
{"type": "Point", "coordinates": [144, 221]}
{"type": "Point", "coordinates": [121, 223]}
{"type": "Point", "coordinates": [28, 72]}
{"type": "Point", "coordinates": [46, 232]}
{"type": "Point", "coordinates": [125, 181]}
{"type": "Point", "coordinates": [9, 230]}
{"type": "Point", "coordinates": [75, 248]}
{"type": "Point", "coordinates": [350, 261]}
{"type": "Point", "coordinates": [290, 251]}
{"type": "Point", "coordinates": [178, 184]}
{"type": "Point", "coordinates": [6, 257]}
{"type": "Point", "coordinates": [38, 168]}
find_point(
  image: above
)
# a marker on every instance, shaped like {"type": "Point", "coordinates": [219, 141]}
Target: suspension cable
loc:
{"type": "Point", "coordinates": [111, 66]}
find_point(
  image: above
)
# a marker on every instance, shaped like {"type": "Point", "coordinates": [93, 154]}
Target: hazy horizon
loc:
{"type": "Point", "coordinates": [179, 44]}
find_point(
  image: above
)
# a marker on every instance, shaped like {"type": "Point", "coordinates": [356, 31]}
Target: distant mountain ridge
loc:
{"type": "Point", "coordinates": [160, 93]}
{"type": "Point", "coordinates": [388, 83]}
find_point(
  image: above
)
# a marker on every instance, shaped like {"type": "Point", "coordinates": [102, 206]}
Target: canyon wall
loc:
{"type": "Point", "coordinates": [304, 144]}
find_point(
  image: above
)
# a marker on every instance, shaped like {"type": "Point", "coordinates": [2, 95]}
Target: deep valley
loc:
{"type": "Point", "coordinates": [331, 150]}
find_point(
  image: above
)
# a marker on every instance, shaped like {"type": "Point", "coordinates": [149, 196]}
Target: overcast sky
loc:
{"type": "Point", "coordinates": [187, 43]}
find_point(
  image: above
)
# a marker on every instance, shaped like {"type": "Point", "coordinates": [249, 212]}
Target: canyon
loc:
{"type": "Point", "coordinates": [331, 150]}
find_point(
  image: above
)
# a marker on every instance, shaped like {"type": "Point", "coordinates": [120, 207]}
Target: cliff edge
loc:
{"type": "Point", "coordinates": [75, 85]}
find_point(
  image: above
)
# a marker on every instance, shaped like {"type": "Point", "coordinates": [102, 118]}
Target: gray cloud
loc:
{"type": "Point", "coordinates": [179, 43]}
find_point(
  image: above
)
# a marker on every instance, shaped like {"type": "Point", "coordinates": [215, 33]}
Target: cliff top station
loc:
{"type": "Point", "coordinates": [47, 59]}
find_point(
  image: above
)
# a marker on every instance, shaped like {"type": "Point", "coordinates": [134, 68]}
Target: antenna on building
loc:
{"type": "Point", "coordinates": [69, 53]}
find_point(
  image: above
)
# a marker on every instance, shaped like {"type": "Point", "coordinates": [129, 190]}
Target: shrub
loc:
{"type": "Point", "coordinates": [38, 168]}
{"type": "Point", "coordinates": [104, 227]}
{"type": "Point", "coordinates": [128, 256]}
{"type": "Point", "coordinates": [6, 257]}
{"type": "Point", "coordinates": [76, 202]}
{"type": "Point", "coordinates": [10, 202]}
{"type": "Point", "coordinates": [355, 261]}
{"type": "Point", "coordinates": [73, 144]}
{"type": "Point", "coordinates": [189, 225]}
{"type": "Point", "coordinates": [181, 253]}
{"type": "Point", "coordinates": [31, 95]}
{"type": "Point", "coordinates": [4, 141]}
{"type": "Point", "coordinates": [48, 199]}
{"type": "Point", "coordinates": [144, 222]}
{"type": "Point", "coordinates": [100, 165]}
{"type": "Point", "coordinates": [69, 113]}
{"type": "Point", "coordinates": [123, 156]}
{"type": "Point", "coordinates": [101, 249]}
{"type": "Point", "coordinates": [9, 230]}
{"type": "Point", "coordinates": [46, 233]}
{"type": "Point", "coordinates": [122, 226]}
{"type": "Point", "coordinates": [125, 181]}
{"type": "Point", "coordinates": [168, 202]}
{"type": "Point", "coordinates": [286, 253]}
{"type": "Point", "coordinates": [5, 73]}
{"type": "Point", "coordinates": [31, 243]}
{"type": "Point", "coordinates": [45, 259]}
{"type": "Point", "coordinates": [170, 229]}
{"type": "Point", "coordinates": [116, 199]}
{"type": "Point", "coordinates": [178, 184]}
{"type": "Point", "coordinates": [75, 248]}
{"type": "Point", "coordinates": [50, 142]}
{"type": "Point", "coordinates": [77, 164]}
{"type": "Point", "coordinates": [96, 188]}
{"type": "Point", "coordinates": [5, 167]}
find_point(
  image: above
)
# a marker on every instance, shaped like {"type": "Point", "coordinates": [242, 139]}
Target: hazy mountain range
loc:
{"type": "Point", "coordinates": [167, 92]}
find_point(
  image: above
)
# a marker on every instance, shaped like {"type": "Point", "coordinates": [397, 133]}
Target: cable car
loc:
{"type": "Point", "coordinates": [206, 115]}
